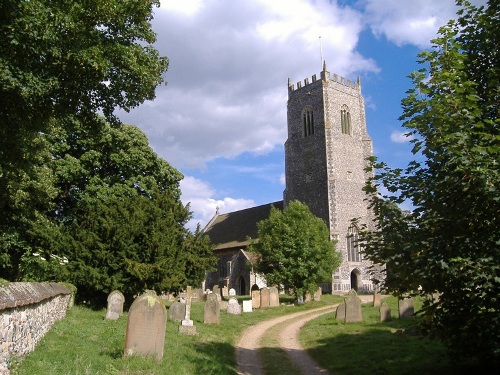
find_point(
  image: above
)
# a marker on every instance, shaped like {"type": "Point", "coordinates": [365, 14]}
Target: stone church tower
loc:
{"type": "Point", "coordinates": [325, 157]}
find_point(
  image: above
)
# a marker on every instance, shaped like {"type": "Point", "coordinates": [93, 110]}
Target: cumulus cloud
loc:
{"type": "Point", "coordinates": [409, 22]}
{"type": "Point", "coordinates": [398, 136]}
{"type": "Point", "coordinates": [200, 195]}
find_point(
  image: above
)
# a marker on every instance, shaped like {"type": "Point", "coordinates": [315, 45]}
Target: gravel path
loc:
{"type": "Point", "coordinates": [247, 348]}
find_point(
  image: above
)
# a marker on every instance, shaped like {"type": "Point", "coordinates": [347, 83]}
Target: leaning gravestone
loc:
{"type": "Point", "coordinates": [353, 308]}
{"type": "Point", "coordinates": [274, 298]}
{"type": "Point", "coordinates": [177, 311]}
{"type": "Point", "coordinates": [115, 305]}
{"type": "Point", "coordinates": [340, 313]}
{"type": "Point", "coordinates": [405, 307]}
{"type": "Point", "coordinates": [211, 314]}
{"type": "Point", "coordinates": [147, 320]}
{"type": "Point", "coordinates": [264, 297]}
{"type": "Point", "coordinates": [255, 299]}
{"type": "Point", "coordinates": [385, 313]}
{"type": "Point", "coordinates": [233, 307]}
{"type": "Point", "coordinates": [376, 297]}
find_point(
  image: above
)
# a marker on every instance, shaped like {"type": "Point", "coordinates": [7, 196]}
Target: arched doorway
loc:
{"type": "Point", "coordinates": [356, 279]}
{"type": "Point", "coordinates": [242, 286]}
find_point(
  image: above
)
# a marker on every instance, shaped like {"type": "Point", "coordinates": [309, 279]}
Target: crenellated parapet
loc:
{"type": "Point", "coordinates": [325, 77]}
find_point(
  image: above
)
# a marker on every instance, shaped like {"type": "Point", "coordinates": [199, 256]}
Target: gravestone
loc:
{"type": "Point", "coordinates": [224, 292]}
{"type": "Point", "coordinates": [264, 297]}
{"type": "Point", "coordinates": [177, 311]}
{"type": "Point", "coordinates": [274, 298]}
{"type": "Point", "coordinates": [317, 295]}
{"type": "Point", "coordinates": [187, 327]}
{"type": "Point", "coordinates": [247, 306]}
{"type": "Point", "coordinates": [353, 308]}
{"type": "Point", "coordinates": [216, 289]}
{"type": "Point", "coordinates": [147, 320]}
{"type": "Point", "coordinates": [233, 307]}
{"type": "Point", "coordinates": [385, 313]}
{"type": "Point", "coordinates": [255, 299]}
{"type": "Point", "coordinates": [211, 313]}
{"type": "Point", "coordinates": [308, 297]}
{"type": "Point", "coordinates": [300, 299]}
{"type": "Point", "coordinates": [405, 306]}
{"type": "Point", "coordinates": [376, 297]}
{"type": "Point", "coordinates": [115, 305]}
{"type": "Point", "coordinates": [340, 312]}
{"type": "Point", "coordinates": [232, 292]}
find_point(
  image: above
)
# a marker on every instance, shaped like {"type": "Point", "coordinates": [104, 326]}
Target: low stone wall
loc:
{"type": "Point", "coordinates": [27, 312]}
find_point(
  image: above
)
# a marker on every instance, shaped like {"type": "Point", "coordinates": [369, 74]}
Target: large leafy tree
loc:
{"type": "Point", "coordinates": [449, 245]}
{"type": "Point", "coordinates": [294, 249]}
{"type": "Point", "coordinates": [59, 59]}
{"type": "Point", "coordinates": [121, 221]}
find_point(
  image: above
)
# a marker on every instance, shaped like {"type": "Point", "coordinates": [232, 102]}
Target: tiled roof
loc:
{"type": "Point", "coordinates": [233, 229]}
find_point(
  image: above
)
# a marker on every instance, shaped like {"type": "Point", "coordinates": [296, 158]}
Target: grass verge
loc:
{"type": "Point", "coordinates": [379, 348]}
{"type": "Point", "coordinates": [85, 343]}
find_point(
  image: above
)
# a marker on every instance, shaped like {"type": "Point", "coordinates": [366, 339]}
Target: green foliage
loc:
{"type": "Point", "coordinates": [61, 59]}
{"type": "Point", "coordinates": [449, 243]}
{"type": "Point", "coordinates": [294, 249]}
{"type": "Point", "coordinates": [120, 214]}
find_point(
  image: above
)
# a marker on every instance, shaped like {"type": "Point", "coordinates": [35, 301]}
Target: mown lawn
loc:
{"type": "Point", "coordinates": [380, 348]}
{"type": "Point", "coordinates": [85, 343]}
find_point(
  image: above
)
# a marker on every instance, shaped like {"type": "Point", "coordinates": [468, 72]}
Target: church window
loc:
{"type": "Point", "coordinates": [345, 120]}
{"type": "Point", "coordinates": [353, 253]}
{"type": "Point", "coordinates": [307, 121]}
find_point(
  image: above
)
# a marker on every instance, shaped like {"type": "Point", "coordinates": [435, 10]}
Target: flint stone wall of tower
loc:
{"type": "Point", "coordinates": [325, 170]}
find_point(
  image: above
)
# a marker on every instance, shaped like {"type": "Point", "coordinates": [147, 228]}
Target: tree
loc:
{"type": "Point", "coordinates": [60, 59]}
{"type": "Point", "coordinates": [294, 249]}
{"type": "Point", "coordinates": [449, 243]}
{"type": "Point", "coordinates": [120, 215]}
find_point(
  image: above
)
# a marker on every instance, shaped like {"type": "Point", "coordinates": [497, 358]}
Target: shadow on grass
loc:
{"type": "Point", "coordinates": [387, 352]}
{"type": "Point", "coordinates": [211, 358]}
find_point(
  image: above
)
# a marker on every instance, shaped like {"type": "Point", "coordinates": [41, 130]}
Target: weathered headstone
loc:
{"type": "Point", "coordinates": [317, 295]}
{"type": "Point", "coordinates": [247, 306]}
{"type": "Point", "coordinates": [255, 299]}
{"type": "Point", "coordinates": [232, 292]}
{"type": "Point", "coordinates": [216, 289]}
{"type": "Point", "coordinates": [300, 299]}
{"type": "Point", "coordinates": [405, 306]}
{"type": "Point", "coordinates": [340, 312]}
{"type": "Point", "coordinates": [187, 327]}
{"type": "Point", "coordinates": [264, 297]}
{"type": "Point", "coordinates": [224, 292]}
{"type": "Point", "coordinates": [147, 320]}
{"type": "Point", "coordinates": [211, 314]}
{"type": "Point", "coordinates": [115, 305]}
{"type": "Point", "coordinates": [353, 308]}
{"type": "Point", "coordinates": [376, 297]}
{"type": "Point", "coordinates": [274, 297]}
{"type": "Point", "coordinates": [233, 307]}
{"type": "Point", "coordinates": [385, 313]}
{"type": "Point", "coordinates": [177, 311]}
{"type": "Point", "coordinates": [308, 297]}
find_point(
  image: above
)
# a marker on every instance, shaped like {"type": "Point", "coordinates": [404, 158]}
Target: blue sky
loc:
{"type": "Point", "coordinates": [221, 119]}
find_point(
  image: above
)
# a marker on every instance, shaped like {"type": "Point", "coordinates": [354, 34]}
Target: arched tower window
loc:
{"type": "Point", "coordinates": [353, 253]}
{"type": "Point", "coordinates": [345, 120]}
{"type": "Point", "coordinates": [307, 121]}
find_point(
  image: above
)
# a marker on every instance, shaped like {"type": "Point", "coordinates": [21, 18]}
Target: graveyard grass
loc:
{"type": "Point", "coordinates": [85, 343]}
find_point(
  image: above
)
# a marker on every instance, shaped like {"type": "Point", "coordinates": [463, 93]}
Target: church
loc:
{"type": "Point", "coordinates": [325, 160]}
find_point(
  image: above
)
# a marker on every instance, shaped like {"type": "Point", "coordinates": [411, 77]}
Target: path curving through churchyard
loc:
{"type": "Point", "coordinates": [247, 358]}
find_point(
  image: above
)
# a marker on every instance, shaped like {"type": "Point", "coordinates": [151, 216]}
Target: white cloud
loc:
{"type": "Point", "coordinates": [229, 66]}
{"type": "Point", "coordinates": [200, 197]}
{"type": "Point", "coordinates": [398, 136]}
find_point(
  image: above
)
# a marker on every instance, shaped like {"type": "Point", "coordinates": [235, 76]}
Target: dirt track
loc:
{"type": "Point", "coordinates": [249, 344]}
